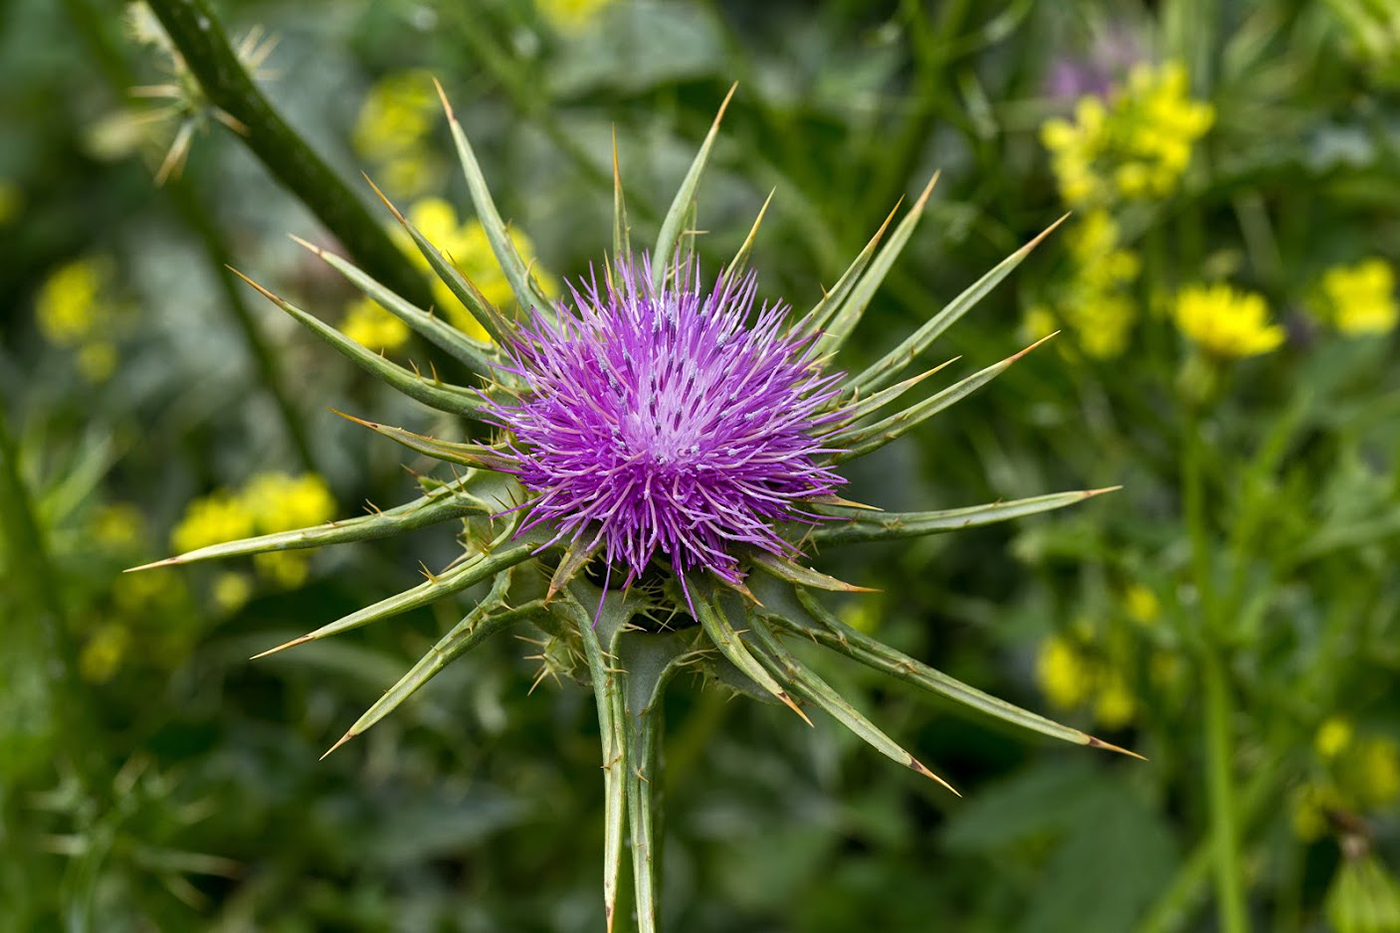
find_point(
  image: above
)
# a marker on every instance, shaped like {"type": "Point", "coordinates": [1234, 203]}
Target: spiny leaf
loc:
{"type": "Point", "coordinates": [815, 320]}
{"type": "Point", "coordinates": [488, 618]}
{"type": "Point", "coordinates": [622, 230]}
{"type": "Point", "coordinates": [860, 408]}
{"type": "Point", "coordinates": [672, 225]}
{"type": "Point", "coordinates": [880, 374]}
{"type": "Point", "coordinates": [440, 505]}
{"type": "Point", "coordinates": [491, 320]}
{"type": "Point", "coordinates": [472, 455]}
{"type": "Point", "coordinates": [859, 441]}
{"type": "Point", "coordinates": [784, 569]}
{"type": "Point", "coordinates": [889, 526]}
{"type": "Point", "coordinates": [818, 623]}
{"type": "Point", "coordinates": [437, 395]}
{"type": "Point", "coordinates": [740, 262]}
{"type": "Point", "coordinates": [807, 683]}
{"type": "Point", "coordinates": [575, 556]}
{"type": "Point", "coordinates": [480, 357]}
{"type": "Point", "coordinates": [481, 567]}
{"type": "Point", "coordinates": [854, 304]}
{"type": "Point", "coordinates": [526, 290]}
{"type": "Point", "coordinates": [729, 644]}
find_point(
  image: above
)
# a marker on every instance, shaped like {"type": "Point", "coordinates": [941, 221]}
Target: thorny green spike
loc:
{"type": "Point", "coordinates": [859, 441]}
{"type": "Point", "coordinates": [879, 375]}
{"type": "Point", "coordinates": [437, 395]}
{"type": "Point", "coordinates": [481, 358]}
{"type": "Point", "coordinates": [486, 619]}
{"type": "Point", "coordinates": [868, 406]}
{"type": "Point", "coordinates": [784, 569]}
{"type": "Point", "coordinates": [815, 320]}
{"type": "Point", "coordinates": [442, 505]}
{"type": "Point", "coordinates": [731, 645]}
{"type": "Point", "coordinates": [523, 285]}
{"type": "Point", "coordinates": [576, 555]}
{"type": "Point", "coordinates": [472, 455]}
{"type": "Point", "coordinates": [813, 620]}
{"type": "Point", "coordinates": [490, 318]}
{"type": "Point", "coordinates": [740, 262]}
{"type": "Point", "coordinates": [888, 526]}
{"type": "Point", "coordinates": [672, 225]}
{"type": "Point", "coordinates": [622, 230]}
{"type": "Point", "coordinates": [853, 306]}
{"type": "Point", "coordinates": [482, 567]}
{"type": "Point", "coordinates": [807, 683]}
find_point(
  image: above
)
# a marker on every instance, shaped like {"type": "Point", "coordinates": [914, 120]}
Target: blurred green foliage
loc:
{"type": "Point", "coordinates": [1231, 614]}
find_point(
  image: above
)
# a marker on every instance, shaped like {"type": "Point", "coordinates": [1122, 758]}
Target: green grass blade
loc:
{"type": "Point", "coordinates": [436, 394]}
{"type": "Point", "coordinates": [441, 505]}
{"type": "Point", "coordinates": [808, 684]}
{"type": "Point", "coordinates": [526, 290]}
{"type": "Point", "coordinates": [479, 568]}
{"type": "Point", "coordinates": [481, 358]}
{"type": "Point", "coordinates": [852, 307]}
{"type": "Point", "coordinates": [888, 526]}
{"type": "Point", "coordinates": [885, 369]}
{"type": "Point", "coordinates": [859, 441]}
{"type": "Point", "coordinates": [674, 221]}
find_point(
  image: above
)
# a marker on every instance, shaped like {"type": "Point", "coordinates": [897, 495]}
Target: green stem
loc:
{"type": "Point", "coordinates": [200, 38]}
{"type": "Point", "coordinates": [1220, 787]}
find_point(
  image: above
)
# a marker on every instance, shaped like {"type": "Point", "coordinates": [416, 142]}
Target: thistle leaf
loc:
{"type": "Point", "coordinates": [815, 320]}
{"type": "Point", "coordinates": [481, 567]}
{"type": "Point", "coordinates": [784, 569]}
{"type": "Point", "coordinates": [732, 647]}
{"type": "Point", "coordinates": [491, 319]}
{"type": "Point", "coordinates": [859, 441]}
{"type": "Point", "coordinates": [488, 618]}
{"type": "Point", "coordinates": [880, 374]}
{"type": "Point", "coordinates": [575, 556]}
{"type": "Point", "coordinates": [674, 221]}
{"type": "Point", "coordinates": [622, 230]}
{"type": "Point", "coordinates": [472, 455]}
{"type": "Point", "coordinates": [889, 526]}
{"type": "Point", "coordinates": [807, 616]}
{"type": "Point", "coordinates": [481, 358]}
{"type": "Point", "coordinates": [849, 313]}
{"type": "Point", "coordinates": [808, 684]}
{"type": "Point", "coordinates": [526, 290]}
{"type": "Point", "coordinates": [740, 262]}
{"type": "Point", "coordinates": [862, 408]}
{"type": "Point", "coordinates": [444, 504]}
{"type": "Point", "coordinates": [439, 395]}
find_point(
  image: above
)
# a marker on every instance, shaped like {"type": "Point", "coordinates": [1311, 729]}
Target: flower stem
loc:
{"type": "Point", "coordinates": [1220, 789]}
{"type": "Point", "coordinates": [200, 38]}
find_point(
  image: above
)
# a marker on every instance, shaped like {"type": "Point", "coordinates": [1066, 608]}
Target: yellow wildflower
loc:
{"type": "Point", "coordinates": [118, 525]}
{"type": "Point", "coordinates": [103, 653]}
{"type": "Point", "coordinates": [1361, 299]}
{"type": "Point", "coordinates": [212, 519]}
{"type": "Point", "coordinates": [1066, 677]}
{"type": "Point", "coordinates": [1141, 604]}
{"type": "Point", "coordinates": [135, 593]}
{"type": "Point", "coordinates": [396, 115]}
{"type": "Point", "coordinates": [370, 325]}
{"type": "Point", "coordinates": [68, 307]}
{"type": "Point", "coordinates": [570, 15]}
{"type": "Point", "coordinates": [1037, 323]}
{"type": "Point", "coordinates": [1115, 705]}
{"type": "Point", "coordinates": [1101, 320]}
{"type": "Point", "coordinates": [1226, 323]}
{"type": "Point", "coordinates": [279, 502]}
{"type": "Point", "coordinates": [97, 360]}
{"type": "Point", "coordinates": [1376, 771]}
{"type": "Point", "coordinates": [232, 590]}
{"type": "Point", "coordinates": [1332, 738]}
{"type": "Point", "coordinates": [287, 569]}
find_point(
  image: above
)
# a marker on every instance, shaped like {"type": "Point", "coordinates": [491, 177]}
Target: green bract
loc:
{"type": "Point", "coordinates": [628, 643]}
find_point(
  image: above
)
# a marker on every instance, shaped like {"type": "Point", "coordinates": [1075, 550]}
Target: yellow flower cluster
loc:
{"type": "Point", "coordinates": [1071, 678]}
{"type": "Point", "coordinates": [1096, 302]}
{"type": "Point", "coordinates": [1136, 145]}
{"type": "Point", "coordinates": [1360, 774]}
{"type": "Point", "coordinates": [391, 131]}
{"type": "Point", "coordinates": [370, 325]}
{"type": "Point", "coordinates": [570, 16]}
{"type": "Point", "coordinates": [270, 502]}
{"type": "Point", "coordinates": [73, 311]}
{"type": "Point", "coordinates": [1360, 300]}
{"type": "Point", "coordinates": [1226, 323]}
{"type": "Point", "coordinates": [467, 246]}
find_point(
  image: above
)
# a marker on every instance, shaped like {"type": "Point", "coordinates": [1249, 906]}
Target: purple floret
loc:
{"type": "Point", "coordinates": [666, 421]}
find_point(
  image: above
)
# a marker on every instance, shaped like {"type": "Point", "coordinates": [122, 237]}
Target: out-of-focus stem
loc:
{"type": "Point", "coordinates": [198, 34]}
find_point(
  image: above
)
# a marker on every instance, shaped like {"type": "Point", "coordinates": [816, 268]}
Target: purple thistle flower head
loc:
{"type": "Point", "coordinates": [665, 420]}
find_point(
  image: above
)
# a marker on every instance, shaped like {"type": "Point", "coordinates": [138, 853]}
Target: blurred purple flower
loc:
{"type": "Point", "coordinates": [1110, 56]}
{"type": "Point", "coordinates": [667, 421]}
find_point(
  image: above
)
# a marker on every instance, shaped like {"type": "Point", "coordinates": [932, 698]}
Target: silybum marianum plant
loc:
{"type": "Point", "coordinates": [665, 455]}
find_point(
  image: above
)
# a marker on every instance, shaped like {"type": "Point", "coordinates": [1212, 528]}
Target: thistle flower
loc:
{"type": "Point", "coordinates": [664, 455]}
